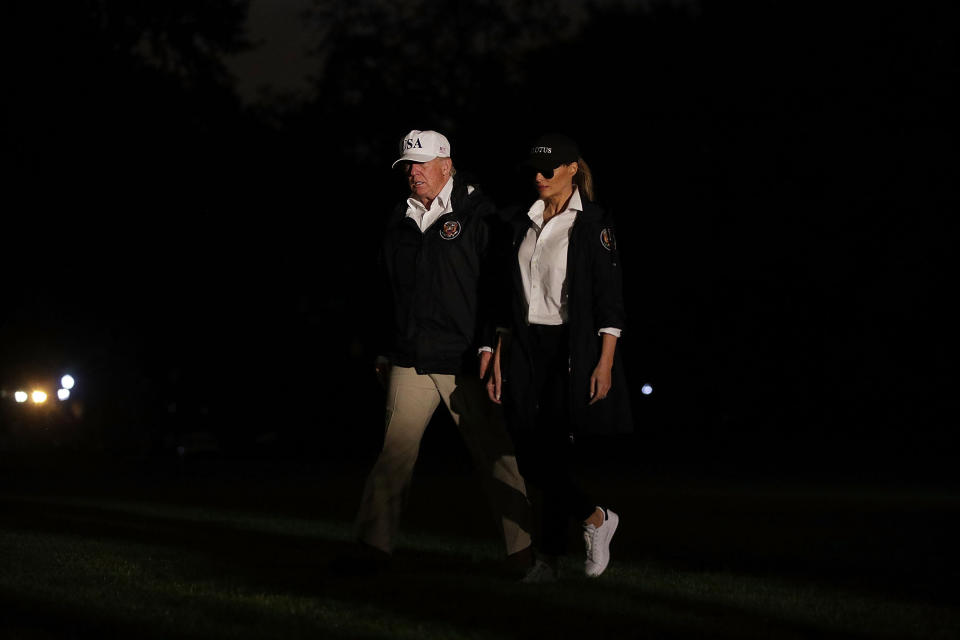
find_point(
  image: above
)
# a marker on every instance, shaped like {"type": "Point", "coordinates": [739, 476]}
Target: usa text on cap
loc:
{"type": "Point", "coordinates": [423, 146]}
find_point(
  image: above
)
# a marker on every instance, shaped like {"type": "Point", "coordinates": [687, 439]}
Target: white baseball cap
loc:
{"type": "Point", "coordinates": [423, 146]}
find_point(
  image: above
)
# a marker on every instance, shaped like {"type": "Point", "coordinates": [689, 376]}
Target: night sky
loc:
{"type": "Point", "coordinates": [195, 191]}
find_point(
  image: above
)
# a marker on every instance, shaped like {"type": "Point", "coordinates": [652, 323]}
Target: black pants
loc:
{"type": "Point", "coordinates": [545, 453]}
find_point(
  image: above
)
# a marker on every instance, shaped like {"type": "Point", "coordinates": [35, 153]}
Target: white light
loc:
{"type": "Point", "coordinates": [67, 382]}
{"type": "Point", "coordinates": [63, 394]}
{"type": "Point", "coordinates": [646, 389]}
{"type": "Point", "coordinates": [38, 397]}
{"type": "Point", "coordinates": [20, 396]}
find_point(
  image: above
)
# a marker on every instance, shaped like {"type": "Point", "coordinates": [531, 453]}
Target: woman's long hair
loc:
{"type": "Point", "coordinates": [584, 179]}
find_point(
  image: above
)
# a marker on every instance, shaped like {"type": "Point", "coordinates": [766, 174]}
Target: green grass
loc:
{"type": "Point", "coordinates": [222, 555]}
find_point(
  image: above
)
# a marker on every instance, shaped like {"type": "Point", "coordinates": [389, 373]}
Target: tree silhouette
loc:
{"type": "Point", "coordinates": [119, 125]}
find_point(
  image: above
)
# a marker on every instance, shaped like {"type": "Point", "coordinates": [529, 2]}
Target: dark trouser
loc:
{"type": "Point", "coordinates": [545, 452]}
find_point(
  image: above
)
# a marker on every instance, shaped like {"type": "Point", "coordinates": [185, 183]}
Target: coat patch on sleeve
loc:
{"type": "Point", "coordinates": [607, 238]}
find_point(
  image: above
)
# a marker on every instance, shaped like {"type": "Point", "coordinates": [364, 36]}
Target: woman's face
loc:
{"type": "Point", "coordinates": [558, 184]}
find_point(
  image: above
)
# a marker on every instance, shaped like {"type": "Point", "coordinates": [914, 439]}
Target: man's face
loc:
{"type": "Point", "coordinates": [426, 179]}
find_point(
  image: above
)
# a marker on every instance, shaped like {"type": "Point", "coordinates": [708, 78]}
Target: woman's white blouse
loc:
{"type": "Point", "coordinates": [543, 264]}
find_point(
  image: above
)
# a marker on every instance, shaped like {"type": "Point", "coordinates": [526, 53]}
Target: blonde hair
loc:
{"type": "Point", "coordinates": [583, 178]}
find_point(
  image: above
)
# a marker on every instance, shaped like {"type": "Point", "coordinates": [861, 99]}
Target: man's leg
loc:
{"type": "Point", "coordinates": [485, 434]}
{"type": "Point", "coordinates": [411, 400]}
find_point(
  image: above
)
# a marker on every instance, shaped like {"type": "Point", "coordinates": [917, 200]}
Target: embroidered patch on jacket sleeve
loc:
{"type": "Point", "coordinates": [607, 238]}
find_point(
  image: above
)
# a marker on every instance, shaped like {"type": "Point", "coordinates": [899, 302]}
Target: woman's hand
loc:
{"type": "Point", "coordinates": [495, 381]}
{"type": "Point", "coordinates": [600, 382]}
{"type": "Point", "coordinates": [602, 379]}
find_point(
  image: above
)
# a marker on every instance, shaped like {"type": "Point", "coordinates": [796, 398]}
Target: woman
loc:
{"type": "Point", "coordinates": [555, 370]}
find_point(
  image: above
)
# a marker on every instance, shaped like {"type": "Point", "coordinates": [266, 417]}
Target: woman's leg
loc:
{"type": "Point", "coordinates": [550, 446]}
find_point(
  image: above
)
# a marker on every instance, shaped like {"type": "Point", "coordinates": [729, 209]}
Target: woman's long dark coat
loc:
{"type": "Point", "coordinates": [595, 290]}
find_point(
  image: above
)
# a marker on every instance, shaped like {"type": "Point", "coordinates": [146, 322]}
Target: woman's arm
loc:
{"type": "Point", "coordinates": [495, 381]}
{"type": "Point", "coordinates": [602, 379]}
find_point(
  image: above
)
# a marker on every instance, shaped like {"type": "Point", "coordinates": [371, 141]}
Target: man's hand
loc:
{"type": "Point", "coordinates": [485, 358]}
{"type": "Point", "coordinates": [382, 370]}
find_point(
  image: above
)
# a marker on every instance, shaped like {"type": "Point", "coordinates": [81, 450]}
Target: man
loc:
{"type": "Point", "coordinates": [434, 251]}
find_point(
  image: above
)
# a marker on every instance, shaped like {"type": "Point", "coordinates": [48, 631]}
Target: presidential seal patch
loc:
{"type": "Point", "coordinates": [607, 239]}
{"type": "Point", "coordinates": [450, 230]}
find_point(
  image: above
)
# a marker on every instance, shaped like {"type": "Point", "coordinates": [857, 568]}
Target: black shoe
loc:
{"type": "Point", "coordinates": [361, 560]}
{"type": "Point", "coordinates": [519, 563]}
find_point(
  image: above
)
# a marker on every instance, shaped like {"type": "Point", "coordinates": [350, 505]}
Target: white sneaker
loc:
{"type": "Point", "coordinates": [540, 572]}
{"type": "Point", "coordinates": [597, 540]}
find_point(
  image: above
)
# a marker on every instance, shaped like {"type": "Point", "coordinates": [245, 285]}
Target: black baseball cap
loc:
{"type": "Point", "coordinates": [550, 151]}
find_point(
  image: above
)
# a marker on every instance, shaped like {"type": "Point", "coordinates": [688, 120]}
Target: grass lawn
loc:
{"type": "Point", "coordinates": [241, 551]}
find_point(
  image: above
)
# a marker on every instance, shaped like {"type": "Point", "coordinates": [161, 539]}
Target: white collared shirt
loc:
{"type": "Point", "coordinates": [441, 205]}
{"type": "Point", "coordinates": [543, 264]}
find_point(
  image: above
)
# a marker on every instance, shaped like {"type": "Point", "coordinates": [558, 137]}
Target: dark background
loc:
{"type": "Point", "coordinates": [782, 175]}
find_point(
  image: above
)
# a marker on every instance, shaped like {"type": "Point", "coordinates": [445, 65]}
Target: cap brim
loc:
{"type": "Point", "coordinates": [537, 164]}
{"type": "Point", "coordinates": [413, 157]}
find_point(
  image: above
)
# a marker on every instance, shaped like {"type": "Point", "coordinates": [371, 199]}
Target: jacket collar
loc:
{"type": "Point", "coordinates": [461, 196]}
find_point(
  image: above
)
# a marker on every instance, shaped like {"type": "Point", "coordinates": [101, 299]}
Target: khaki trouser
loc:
{"type": "Point", "coordinates": [411, 400]}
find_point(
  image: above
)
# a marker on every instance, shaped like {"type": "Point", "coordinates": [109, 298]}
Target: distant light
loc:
{"type": "Point", "coordinates": [646, 389]}
{"type": "Point", "coordinates": [63, 394]}
{"type": "Point", "coordinates": [38, 397]}
{"type": "Point", "coordinates": [20, 396]}
{"type": "Point", "coordinates": [67, 382]}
